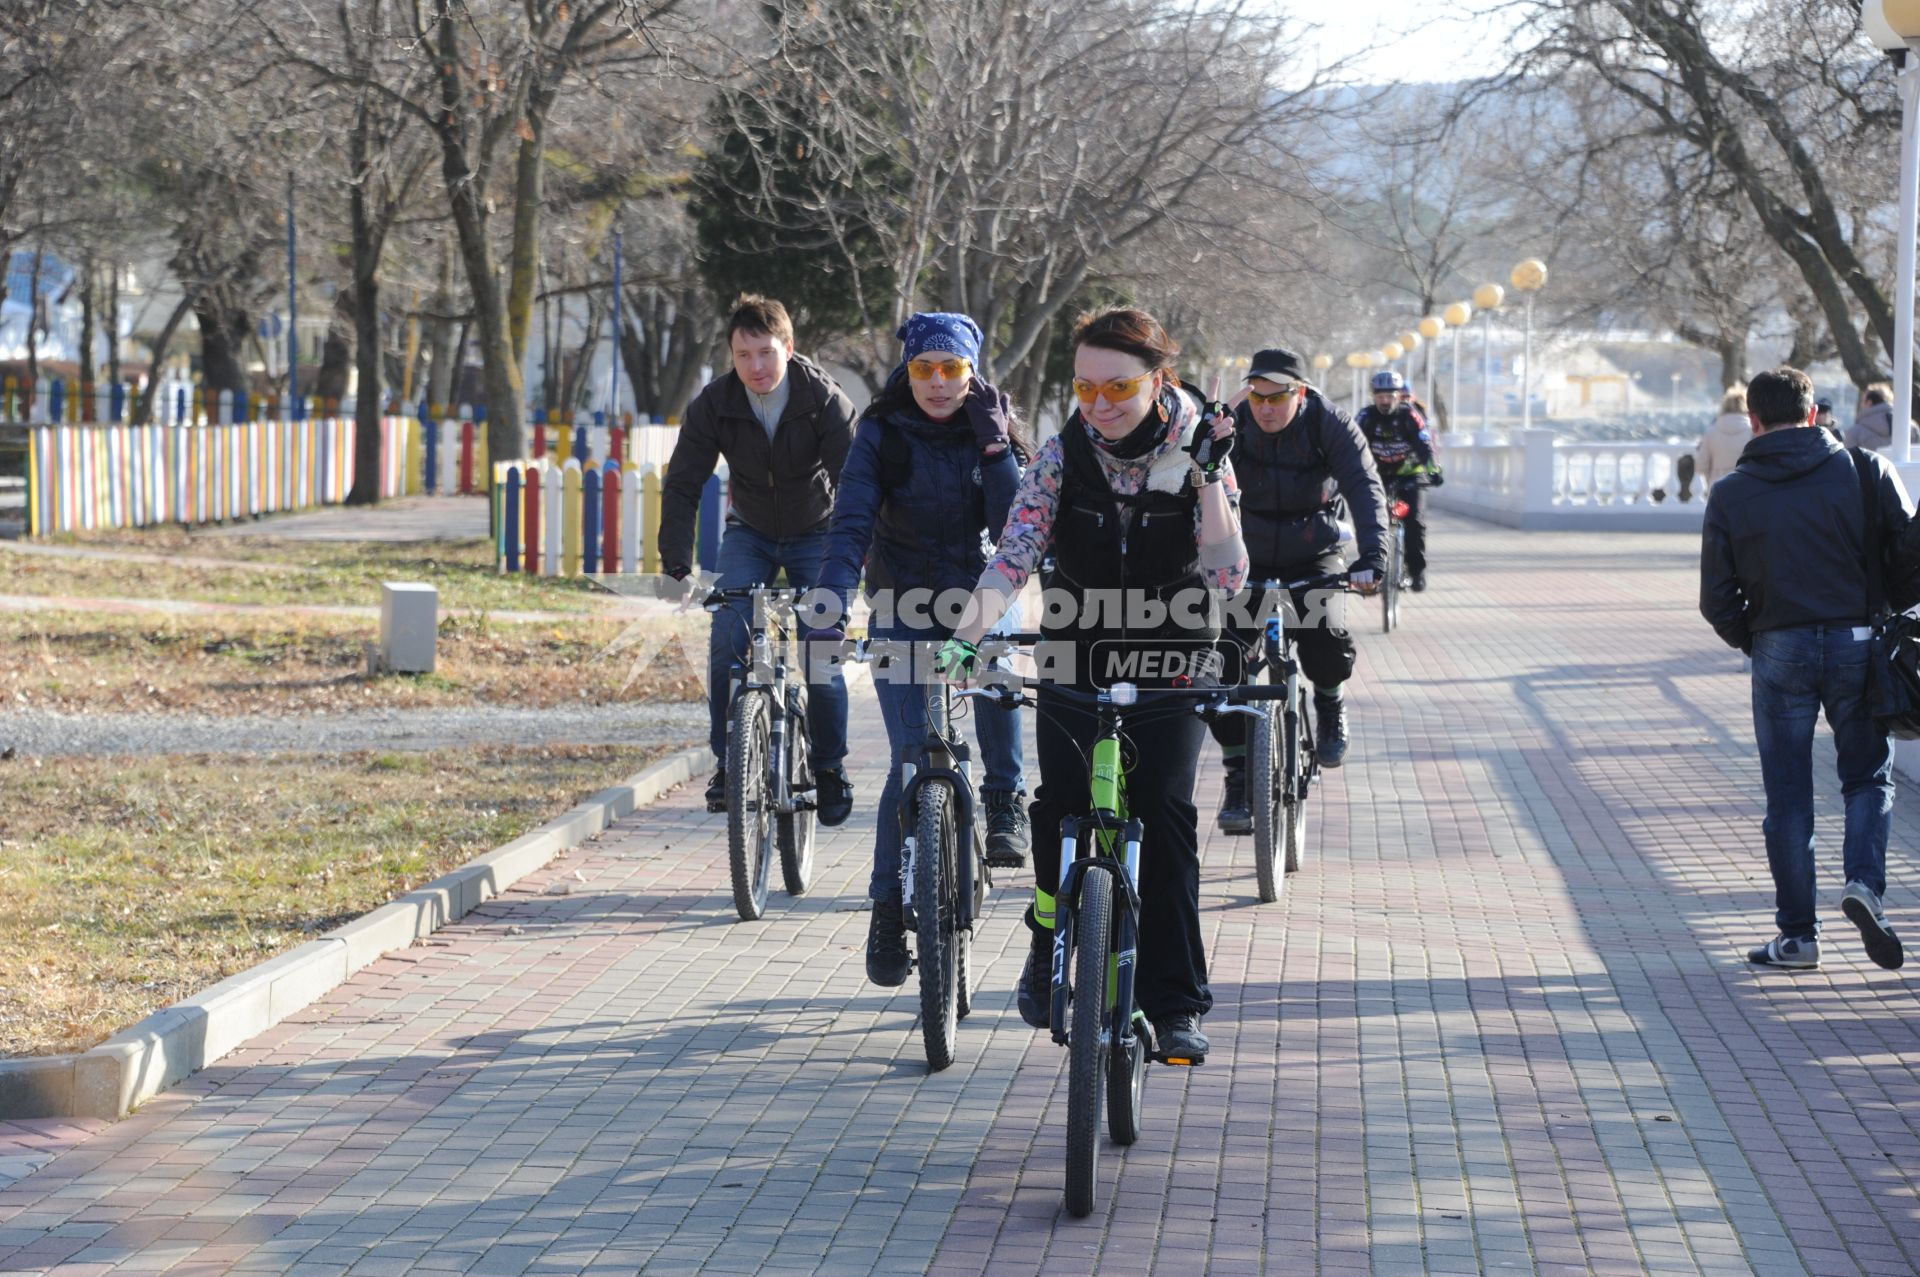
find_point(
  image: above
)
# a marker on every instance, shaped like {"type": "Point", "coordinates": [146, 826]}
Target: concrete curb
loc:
{"type": "Point", "coordinates": [133, 1066]}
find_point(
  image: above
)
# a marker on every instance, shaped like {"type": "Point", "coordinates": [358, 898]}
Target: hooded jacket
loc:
{"type": "Point", "coordinates": [1785, 542]}
{"type": "Point", "coordinates": [918, 505]}
{"type": "Point", "coordinates": [780, 486]}
{"type": "Point", "coordinates": [1719, 448]}
{"type": "Point", "coordinates": [1293, 484]}
{"type": "Point", "coordinates": [1873, 428]}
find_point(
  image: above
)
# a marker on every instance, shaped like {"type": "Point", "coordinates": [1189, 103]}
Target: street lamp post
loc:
{"type": "Point", "coordinates": [1529, 277]}
{"type": "Point", "coordinates": [1488, 298]}
{"type": "Point", "coordinates": [1673, 401]}
{"type": "Point", "coordinates": [1410, 342]}
{"type": "Point", "coordinates": [1894, 25]}
{"type": "Point", "coordinates": [1431, 327]}
{"type": "Point", "coordinates": [1320, 365]}
{"type": "Point", "coordinates": [1456, 316]}
{"type": "Point", "coordinates": [1356, 361]}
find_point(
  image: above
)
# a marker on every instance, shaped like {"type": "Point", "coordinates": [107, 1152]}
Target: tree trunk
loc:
{"type": "Point", "coordinates": [33, 333]}
{"type": "Point", "coordinates": [336, 353]}
{"type": "Point", "coordinates": [366, 331]}
{"type": "Point", "coordinates": [143, 411]}
{"type": "Point", "coordinates": [1733, 361]}
{"type": "Point", "coordinates": [113, 324]}
{"type": "Point", "coordinates": [223, 331]}
{"type": "Point", "coordinates": [83, 381]}
{"type": "Point", "coordinates": [528, 193]}
{"type": "Point", "coordinates": [440, 357]}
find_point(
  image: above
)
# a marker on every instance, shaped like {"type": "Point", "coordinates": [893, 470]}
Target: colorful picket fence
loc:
{"type": "Point", "coordinates": [565, 519]}
{"type": "Point", "coordinates": [82, 476]}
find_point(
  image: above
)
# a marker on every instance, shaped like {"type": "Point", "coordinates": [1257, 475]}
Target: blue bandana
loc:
{"type": "Point", "coordinates": [938, 332]}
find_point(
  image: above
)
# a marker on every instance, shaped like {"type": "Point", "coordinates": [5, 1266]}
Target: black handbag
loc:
{"type": "Point", "coordinates": [1893, 646]}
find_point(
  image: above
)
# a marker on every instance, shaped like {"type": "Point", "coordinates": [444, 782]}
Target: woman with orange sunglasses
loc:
{"type": "Point", "coordinates": [1133, 499]}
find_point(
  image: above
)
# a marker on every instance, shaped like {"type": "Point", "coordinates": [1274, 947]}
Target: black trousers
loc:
{"type": "Point", "coordinates": [1415, 495]}
{"type": "Point", "coordinates": [1160, 748]}
{"type": "Point", "coordinates": [1326, 654]}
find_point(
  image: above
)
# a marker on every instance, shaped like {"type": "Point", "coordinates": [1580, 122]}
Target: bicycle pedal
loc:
{"type": "Point", "coordinates": [1182, 1061]}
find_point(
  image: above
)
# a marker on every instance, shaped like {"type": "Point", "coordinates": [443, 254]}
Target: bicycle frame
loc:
{"type": "Point", "coordinates": [768, 649]}
{"type": "Point", "coordinates": [1110, 822]}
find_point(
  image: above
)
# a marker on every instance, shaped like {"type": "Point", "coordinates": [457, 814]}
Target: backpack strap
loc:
{"type": "Point", "coordinates": [1870, 511]}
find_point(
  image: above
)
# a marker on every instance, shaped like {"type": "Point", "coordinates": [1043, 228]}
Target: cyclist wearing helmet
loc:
{"type": "Point", "coordinates": [1133, 497]}
{"type": "Point", "coordinates": [1299, 461]}
{"type": "Point", "coordinates": [1402, 450]}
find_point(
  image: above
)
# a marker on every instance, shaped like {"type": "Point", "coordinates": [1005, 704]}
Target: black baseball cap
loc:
{"type": "Point", "coordinates": [1824, 405]}
{"type": "Point", "coordinates": [1278, 364]}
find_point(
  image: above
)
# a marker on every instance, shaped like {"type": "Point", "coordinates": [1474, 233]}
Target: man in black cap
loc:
{"type": "Point", "coordinates": [1301, 463]}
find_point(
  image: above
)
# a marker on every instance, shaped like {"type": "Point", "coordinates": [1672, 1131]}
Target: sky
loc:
{"type": "Point", "coordinates": [1458, 46]}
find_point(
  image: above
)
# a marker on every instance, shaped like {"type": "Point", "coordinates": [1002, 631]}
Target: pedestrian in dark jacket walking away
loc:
{"type": "Point", "coordinates": [924, 492]}
{"type": "Point", "coordinates": [1301, 464]}
{"type": "Point", "coordinates": [1785, 576]}
{"type": "Point", "coordinates": [784, 428]}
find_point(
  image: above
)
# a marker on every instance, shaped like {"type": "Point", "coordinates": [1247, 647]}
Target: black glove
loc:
{"type": "Point", "coordinates": [1209, 453]}
{"type": "Point", "coordinates": [1435, 479]}
{"type": "Point", "coordinates": [672, 582]}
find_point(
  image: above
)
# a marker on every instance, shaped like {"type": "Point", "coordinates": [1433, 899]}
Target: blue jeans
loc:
{"type": "Point", "coordinates": [903, 708]}
{"type": "Point", "coordinates": [748, 558]}
{"type": "Point", "coordinates": [1796, 672]}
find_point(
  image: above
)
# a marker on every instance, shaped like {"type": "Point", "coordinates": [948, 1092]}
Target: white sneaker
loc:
{"type": "Point", "coordinates": [1862, 906]}
{"type": "Point", "coordinates": [1787, 951]}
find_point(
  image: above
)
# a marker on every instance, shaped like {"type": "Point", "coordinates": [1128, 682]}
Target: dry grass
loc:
{"type": "Point", "coordinates": [340, 573]}
{"type": "Point", "coordinates": [130, 883]}
{"type": "Point", "coordinates": [246, 664]}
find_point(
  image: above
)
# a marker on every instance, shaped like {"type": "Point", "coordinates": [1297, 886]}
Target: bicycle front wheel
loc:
{"type": "Point", "coordinates": [1390, 584]}
{"type": "Point", "coordinates": [795, 830]}
{"type": "Point", "coordinates": [1086, 1052]}
{"type": "Point", "coordinates": [749, 805]}
{"type": "Point", "coordinates": [1265, 801]}
{"type": "Point", "coordinates": [935, 847]}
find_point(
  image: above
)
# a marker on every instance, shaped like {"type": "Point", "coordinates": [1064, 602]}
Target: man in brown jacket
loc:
{"type": "Point", "coordinates": [784, 428]}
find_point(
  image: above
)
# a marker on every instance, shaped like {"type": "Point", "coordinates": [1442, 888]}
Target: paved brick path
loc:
{"type": "Point", "coordinates": [1501, 1023]}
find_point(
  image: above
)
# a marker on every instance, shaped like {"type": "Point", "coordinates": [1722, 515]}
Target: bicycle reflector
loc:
{"type": "Point", "coordinates": [1401, 509]}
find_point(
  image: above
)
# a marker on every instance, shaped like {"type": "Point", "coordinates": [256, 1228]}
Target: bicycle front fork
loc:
{"type": "Point", "coordinates": [1073, 871]}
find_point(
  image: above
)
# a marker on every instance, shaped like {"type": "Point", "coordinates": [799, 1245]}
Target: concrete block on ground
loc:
{"type": "Point", "coordinates": [409, 624]}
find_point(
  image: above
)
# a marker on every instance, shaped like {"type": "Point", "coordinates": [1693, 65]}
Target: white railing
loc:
{"type": "Point", "coordinates": [1532, 479]}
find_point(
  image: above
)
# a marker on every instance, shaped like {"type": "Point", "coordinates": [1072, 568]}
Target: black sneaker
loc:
{"type": "Point", "coordinates": [1418, 582]}
{"type": "Point", "coordinates": [717, 789]}
{"type": "Point", "coordinates": [887, 960]}
{"type": "Point", "coordinates": [1180, 1040]}
{"type": "Point", "coordinates": [1034, 994]}
{"type": "Point", "coordinates": [1234, 817]}
{"type": "Point", "coordinates": [1330, 735]}
{"type": "Point", "coordinates": [833, 798]}
{"type": "Point", "coordinates": [1008, 834]}
{"type": "Point", "coordinates": [1863, 909]}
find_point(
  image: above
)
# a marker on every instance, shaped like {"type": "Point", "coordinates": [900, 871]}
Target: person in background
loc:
{"type": "Point", "coordinates": [1873, 428]}
{"type": "Point", "coordinates": [1788, 575]}
{"type": "Point", "coordinates": [1823, 416]}
{"type": "Point", "coordinates": [1718, 451]}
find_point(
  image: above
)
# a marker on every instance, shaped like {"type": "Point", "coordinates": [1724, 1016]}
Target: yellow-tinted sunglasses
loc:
{"type": "Point", "coordinates": [1277, 397]}
{"type": "Point", "coordinates": [1118, 390]}
{"type": "Point", "coordinates": [951, 369]}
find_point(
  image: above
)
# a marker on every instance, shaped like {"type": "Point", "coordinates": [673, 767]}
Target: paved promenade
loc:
{"type": "Point", "coordinates": [1501, 1023]}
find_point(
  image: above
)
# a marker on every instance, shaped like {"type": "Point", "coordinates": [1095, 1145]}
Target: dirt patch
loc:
{"type": "Point", "coordinates": [233, 665]}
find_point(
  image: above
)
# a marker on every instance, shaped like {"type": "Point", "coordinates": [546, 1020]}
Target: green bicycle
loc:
{"type": "Point", "coordinates": [1097, 926]}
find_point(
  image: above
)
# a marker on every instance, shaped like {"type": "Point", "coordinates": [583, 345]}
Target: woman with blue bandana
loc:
{"type": "Point", "coordinates": [925, 488]}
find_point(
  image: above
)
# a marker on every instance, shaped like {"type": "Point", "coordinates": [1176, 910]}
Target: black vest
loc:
{"type": "Point", "coordinates": [1116, 569]}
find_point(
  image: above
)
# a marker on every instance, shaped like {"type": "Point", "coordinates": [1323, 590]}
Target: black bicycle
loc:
{"type": "Point", "coordinates": [770, 792]}
{"type": "Point", "coordinates": [1398, 578]}
{"type": "Point", "coordinates": [1282, 764]}
{"type": "Point", "coordinates": [1096, 933]}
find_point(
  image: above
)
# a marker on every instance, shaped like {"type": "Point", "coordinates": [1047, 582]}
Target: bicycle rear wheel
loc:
{"type": "Point", "coordinates": [935, 844]}
{"type": "Point", "coordinates": [1086, 1053]}
{"type": "Point", "coordinates": [795, 830]}
{"type": "Point", "coordinates": [749, 809]}
{"type": "Point", "coordinates": [1126, 1088]}
{"type": "Point", "coordinates": [1265, 801]}
{"type": "Point", "coordinates": [1296, 778]}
